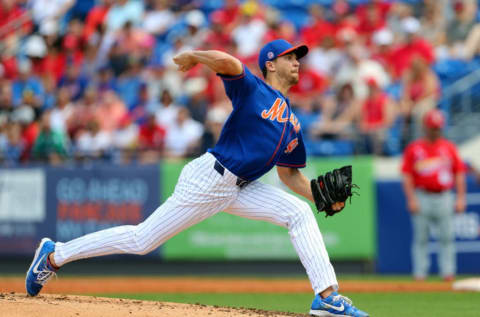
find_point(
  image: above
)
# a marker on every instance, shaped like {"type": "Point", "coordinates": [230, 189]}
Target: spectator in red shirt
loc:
{"type": "Point", "coordinates": [54, 63]}
{"type": "Point", "coordinates": [230, 14]}
{"type": "Point", "coordinates": [73, 40]}
{"type": "Point", "coordinates": [383, 51]}
{"type": "Point", "coordinates": [109, 111]}
{"type": "Point", "coordinates": [96, 17]}
{"type": "Point", "coordinates": [217, 38]}
{"type": "Point", "coordinates": [24, 116]}
{"type": "Point", "coordinates": [371, 18]}
{"type": "Point", "coordinates": [375, 115]}
{"type": "Point", "coordinates": [413, 45]}
{"type": "Point", "coordinates": [13, 19]}
{"type": "Point", "coordinates": [380, 7]}
{"type": "Point", "coordinates": [431, 168]}
{"type": "Point", "coordinates": [151, 140]}
{"type": "Point", "coordinates": [8, 64]}
{"type": "Point", "coordinates": [420, 94]}
{"type": "Point", "coordinates": [310, 86]}
{"type": "Point", "coordinates": [319, 28]}
{"type": "Point", "coordinates": [84, 111]}
{"type": "Point", "coordinates": [344, 19]}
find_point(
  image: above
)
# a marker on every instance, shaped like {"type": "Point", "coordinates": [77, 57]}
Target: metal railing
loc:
{"type": "Point", "coordinates": [461, 101]}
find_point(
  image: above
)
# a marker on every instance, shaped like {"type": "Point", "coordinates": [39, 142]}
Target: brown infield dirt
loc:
{"type": "Point", "coordinates": [20, 305]}
{"type": "Point", "coordinates": [14, 302]}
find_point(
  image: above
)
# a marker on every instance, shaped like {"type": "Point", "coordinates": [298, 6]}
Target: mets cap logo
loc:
{"type": "Point", "coordinates": [270, 55]}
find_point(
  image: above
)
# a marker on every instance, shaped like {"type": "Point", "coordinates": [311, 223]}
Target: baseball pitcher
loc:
{"type": "Point", "coordinates": [261, 132]}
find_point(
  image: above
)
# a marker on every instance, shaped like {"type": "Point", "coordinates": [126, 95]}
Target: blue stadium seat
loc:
{"type": "Point", "coordinates": [393, 145]}
{"type": "Point", "coordinates": [298, 17]}
{"type": "Point", "coordinates": [453, 69]}
{"type": "Point", "coordinates": [211, 5]}
{"type": "Point", "coordinates": [329, 147]}
{"type": "Point", "coordinates": [394, 90]}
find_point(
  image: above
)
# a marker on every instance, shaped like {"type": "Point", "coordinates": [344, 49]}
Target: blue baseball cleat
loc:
{"type": "Point", "coordinates": [335, 305]}
{"type": "Point", "coordinates": [40, 272]}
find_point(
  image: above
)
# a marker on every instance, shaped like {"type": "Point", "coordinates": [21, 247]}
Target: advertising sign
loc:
{"type": "Point", "coordinates": [22, 209]}
{"type": "Point", "coordinates": [64, 203]}
{"type": "Point", "coordinates": [349, 235]}
{"type": "Point", "coordinates": [88, 200]}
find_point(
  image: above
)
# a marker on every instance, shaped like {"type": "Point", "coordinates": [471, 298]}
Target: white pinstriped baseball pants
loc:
{"type": "Point", "coordinates": [201, 192]}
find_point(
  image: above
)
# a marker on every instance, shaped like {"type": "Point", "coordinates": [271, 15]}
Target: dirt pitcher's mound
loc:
{"type": "Point", "coordinates": [20, 305]}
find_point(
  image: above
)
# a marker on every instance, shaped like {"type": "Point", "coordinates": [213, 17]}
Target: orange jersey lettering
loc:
{"type": "Point", "coordinates": [291, 146]}
{"type": "Point", "coordinates": [276, 111]}
{"type": "Point", "coordinates": [294, 121]}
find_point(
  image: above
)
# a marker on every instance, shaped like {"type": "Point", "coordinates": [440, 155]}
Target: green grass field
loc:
{"type": "Point", "coordinates": [465, 304]}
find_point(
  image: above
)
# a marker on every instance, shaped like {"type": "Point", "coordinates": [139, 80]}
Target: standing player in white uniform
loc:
{"type": "Point", "coordinates": [261, 132]}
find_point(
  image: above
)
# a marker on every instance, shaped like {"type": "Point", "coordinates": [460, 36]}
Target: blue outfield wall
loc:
{"type": "Point", "coordinates": [395, 231]}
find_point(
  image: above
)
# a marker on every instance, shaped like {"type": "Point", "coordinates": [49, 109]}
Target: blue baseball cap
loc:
{"type": "Point", "coordinates": [277, 48]}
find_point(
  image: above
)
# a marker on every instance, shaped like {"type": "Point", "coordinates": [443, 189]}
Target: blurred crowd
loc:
{"type": "Point", "coordinates": [94, 80]}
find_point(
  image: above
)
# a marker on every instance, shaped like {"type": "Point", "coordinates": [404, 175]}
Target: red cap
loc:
{"type": "Point", "coordinates": [125, 120]}
{"type": "Point", "coordinates": [458, 6]}
{"type": "Point", "coordinates": [218, 17]}
{"type": "Point", "coordinates": [371, 81]}
{"type": "Point", "coordinates": [434, 119]}
{"type": "Point", "coordinates": [70, 42]}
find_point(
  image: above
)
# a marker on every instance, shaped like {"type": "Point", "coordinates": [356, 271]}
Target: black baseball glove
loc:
{"type": "Point", "coordinates": [335, 186]}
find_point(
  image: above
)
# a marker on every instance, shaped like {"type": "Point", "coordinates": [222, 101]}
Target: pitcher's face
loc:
{"type": "Point", "coordinates": [287, 67]}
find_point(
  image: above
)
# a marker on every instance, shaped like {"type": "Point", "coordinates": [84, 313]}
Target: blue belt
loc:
{"type": "Point", "coordinates": [221, 170]}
